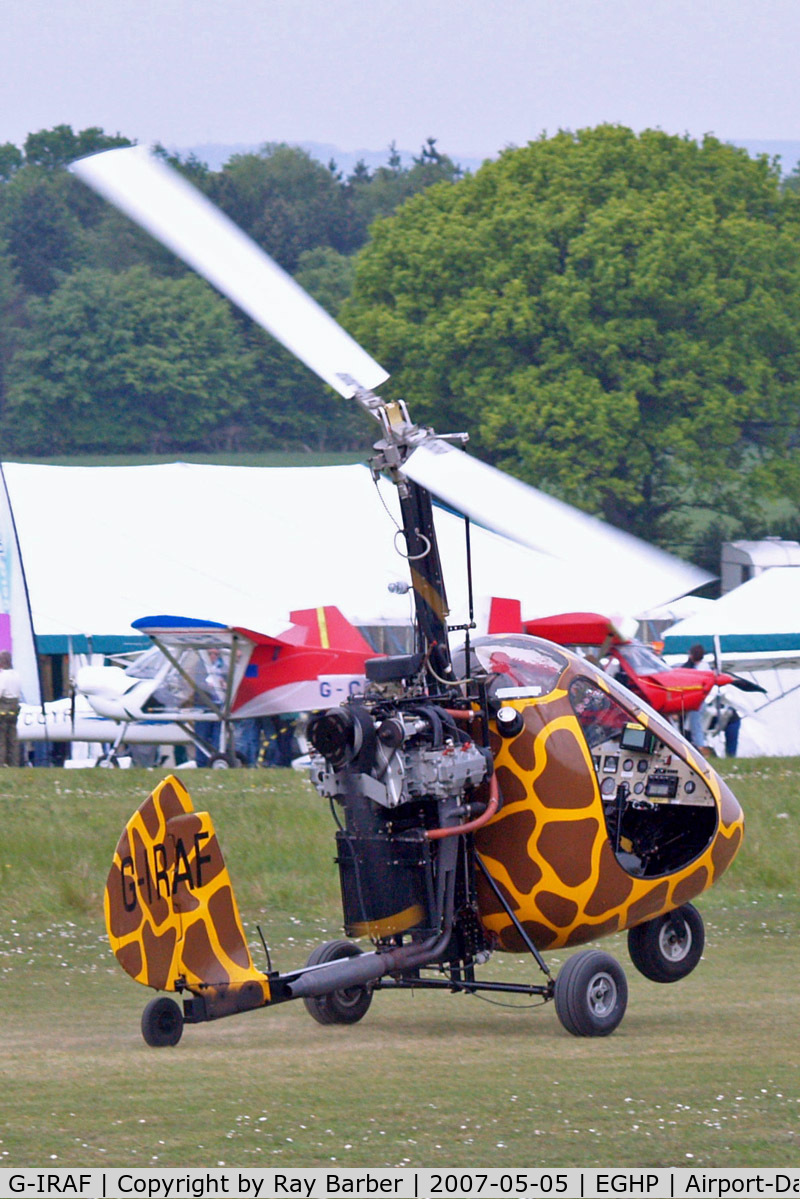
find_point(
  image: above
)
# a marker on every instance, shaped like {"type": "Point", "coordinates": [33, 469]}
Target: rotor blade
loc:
{"type": "Point", "coordinates": [510, 507]}
{"type": "Point", "coordinates": [179, 216]}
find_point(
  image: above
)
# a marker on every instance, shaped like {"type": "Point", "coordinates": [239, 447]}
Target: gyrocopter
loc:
{"type": "Point", "coordinates": [503, 796]}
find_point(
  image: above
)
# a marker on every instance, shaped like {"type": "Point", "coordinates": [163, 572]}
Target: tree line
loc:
{"type": "Point", "coordinates": [109, 344]}
{"type": "Point", "coordinates": [614, 316]}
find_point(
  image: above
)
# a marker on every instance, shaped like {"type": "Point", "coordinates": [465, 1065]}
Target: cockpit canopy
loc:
{"type": "Point", "coordinates": [642, 658]}
{"type": "Point", "coordinates": [513, 665]}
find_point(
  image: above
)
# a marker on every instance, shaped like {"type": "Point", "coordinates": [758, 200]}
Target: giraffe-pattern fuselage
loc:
{"type": "Point", "coordinates": [550, 849]}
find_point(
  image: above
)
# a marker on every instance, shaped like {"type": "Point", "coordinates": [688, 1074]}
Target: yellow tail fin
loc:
{"type": "Point", "coordinates": [171, 914]}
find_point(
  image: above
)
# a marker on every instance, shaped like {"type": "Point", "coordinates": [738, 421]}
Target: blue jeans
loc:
{"type": "Point", "coordinates": [697, 734]}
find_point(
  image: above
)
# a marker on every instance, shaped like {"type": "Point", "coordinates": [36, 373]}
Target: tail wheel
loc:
{"type": "Point", "coordinates": [591, 994]}
{"type": "Point", "coordinates": [347, 1006]}
{"type": "Point", "coordinates": [668, 948]}
{"type": "Point", "coordinates": [162, 1022]}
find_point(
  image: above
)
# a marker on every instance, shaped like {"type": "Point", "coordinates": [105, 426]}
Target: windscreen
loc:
{"type": "Point", "coordinates": [512, 663]}
{"type": "Point", "coordinates": [201, 680]}
{"type": "Point", "coordinates": [642, 658]}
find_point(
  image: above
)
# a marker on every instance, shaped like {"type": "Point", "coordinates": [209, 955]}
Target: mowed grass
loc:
{"type": "Point", "coordinates": [705, 1073]}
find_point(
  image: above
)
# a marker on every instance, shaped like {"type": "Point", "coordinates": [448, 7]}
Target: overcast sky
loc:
{"type": "Point", "coordinates": [476, 74]}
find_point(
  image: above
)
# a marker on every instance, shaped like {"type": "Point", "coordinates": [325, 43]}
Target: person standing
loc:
{"type": "Point", "coordinates": [10, 692]}
{"type": "Point", "coordinates": [697, 734]}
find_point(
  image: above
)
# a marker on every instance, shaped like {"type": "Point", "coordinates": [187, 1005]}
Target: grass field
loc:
{"type": "Point", "coordinates": [704, 1073]}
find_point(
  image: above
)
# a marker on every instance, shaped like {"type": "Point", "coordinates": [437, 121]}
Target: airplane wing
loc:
{"type": "Point", "coordinates": [576, 628]}
{"type": "Point", "coordinates": [760, 660]}
{"type": "Point", "coordinates": [184, 628]}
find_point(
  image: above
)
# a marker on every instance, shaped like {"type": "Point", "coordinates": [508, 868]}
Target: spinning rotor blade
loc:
{"type": "Point", "coordinates": [179, 216]}
{"type": "Point", "coordinates": [508, 506]}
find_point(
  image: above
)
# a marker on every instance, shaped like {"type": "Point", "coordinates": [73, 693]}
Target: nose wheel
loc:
{"type": "Point", "coordinates": [668, 948]}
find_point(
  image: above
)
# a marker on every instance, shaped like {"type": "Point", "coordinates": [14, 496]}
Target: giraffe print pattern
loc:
{"type": "Point", "coordinates": [171, 915]}
{"type": "Point", "coordinates": [548, 849]}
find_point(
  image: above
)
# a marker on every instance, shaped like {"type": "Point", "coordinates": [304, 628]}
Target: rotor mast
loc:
{"type": "Point", "coordinates": [400, 438]}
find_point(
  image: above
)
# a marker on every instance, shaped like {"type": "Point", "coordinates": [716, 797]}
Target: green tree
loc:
{"type": "Point", "coordinates": [39, 226]}
{"type": "Point", "coordinates": [11, 316]}
{"type": "Point", "coordinates": [285, 200]}
{"type": "Point", "coordinates": [125, 362]}
{"type": "Point", "coordinates": [615, 318]}
{"type": "Point", "coordinates": [380, 194]}
{"type": "Point", "coordinates": [326, 275]}
{"type": "Point", "coordinates": [57, 147]}
{"type": "Point", "coordinates": [791, 182]}
{"type": "Point", "coordinates": [10, 160]}
{"type": "Point", "coordinates": [54, 224]}
{"type": "Point", "coordinates": [289, 408]}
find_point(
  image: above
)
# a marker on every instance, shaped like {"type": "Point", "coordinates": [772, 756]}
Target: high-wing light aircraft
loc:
{"type": "Point", "coordinates": [201, 673]}
{"type": "Point", "coordinates": [504, 796]}
{"type": "Point", "coordinates": [671, 690]}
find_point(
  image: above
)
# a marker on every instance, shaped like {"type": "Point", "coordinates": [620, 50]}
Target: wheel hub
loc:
{"type": "Point", "coordinates": [602, 994]}
{"type": "Point", "coordinates": [675, 940]}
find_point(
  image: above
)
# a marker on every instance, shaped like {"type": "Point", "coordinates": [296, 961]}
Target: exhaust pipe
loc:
{"type": "Point", "coordinates": [365, 968]}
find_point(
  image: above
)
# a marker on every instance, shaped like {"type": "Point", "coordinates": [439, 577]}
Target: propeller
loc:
{"type": "Point", "coordinates": [178, 215]}
{"type": "Point", "coordinates": [736, 680]}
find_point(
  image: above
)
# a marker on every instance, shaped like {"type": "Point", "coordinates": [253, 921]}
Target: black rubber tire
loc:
{"type": "Point", "coordinates": [223, 762]}
{"type": "Point", "coordinates": [347, 1006]}
{"type": "Point", "coordinates": [668, 948]}
{"type": "Point", "coordinates": [591, 994]}
{"type": "Point", "coordinates": [162, 1022]}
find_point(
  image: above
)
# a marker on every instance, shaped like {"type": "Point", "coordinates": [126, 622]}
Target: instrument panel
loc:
{"type": "Point", "coordinates": [653, 773]}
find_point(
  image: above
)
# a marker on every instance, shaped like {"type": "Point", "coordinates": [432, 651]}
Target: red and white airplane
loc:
{"type": "Point", "coordinates": [671, 690]}
{"type": "Point", "coordinates": [202, 672]}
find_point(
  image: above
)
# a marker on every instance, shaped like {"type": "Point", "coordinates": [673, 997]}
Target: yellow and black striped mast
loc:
{"type": "Point", "coordinates": [422, 550]}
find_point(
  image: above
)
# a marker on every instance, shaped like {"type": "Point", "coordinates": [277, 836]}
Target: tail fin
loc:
{"type": "Point", "coordinates": [171, 914]}
{"type": "Point", "coordinates": [505, 615]}
{"type": "Point", "coordinates": [329, 629]}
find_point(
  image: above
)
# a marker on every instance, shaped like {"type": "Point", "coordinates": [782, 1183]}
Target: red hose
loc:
{"type": "Point", "coordinates": [462, 713]}
{"type": "Point", "coordinates": [436, 834]}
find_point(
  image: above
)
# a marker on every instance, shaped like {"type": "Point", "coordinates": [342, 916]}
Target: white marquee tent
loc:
{"type": "Point", "coordinates": [755, 630]}
{"type": "Point", "coordinates": [104, 546]}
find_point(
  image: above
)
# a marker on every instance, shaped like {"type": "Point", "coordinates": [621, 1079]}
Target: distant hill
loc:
{"type": "Point", "coordinates": [216, 155]}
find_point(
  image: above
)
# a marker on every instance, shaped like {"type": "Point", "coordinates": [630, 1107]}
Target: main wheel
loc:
{"type": "Point", "coordinates": [668, 948]}
{"type": "Point", "coordinates": [347, 1006]}
{"type": "Point", "coordinates": [162, 1022]}
{"type": "Point", "coordinates": [591, 994]}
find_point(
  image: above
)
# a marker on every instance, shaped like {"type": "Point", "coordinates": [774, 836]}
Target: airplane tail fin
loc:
{"type": "Point", "coordinates": [171, 915]}
{"type": "Point", "coordinates": [328, 628]}
{"type": "Point", "coordinates": [505, 615]}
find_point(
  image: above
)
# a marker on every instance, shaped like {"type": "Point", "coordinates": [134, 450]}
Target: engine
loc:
{"type": "Point", "coordinates": [402, 774]}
